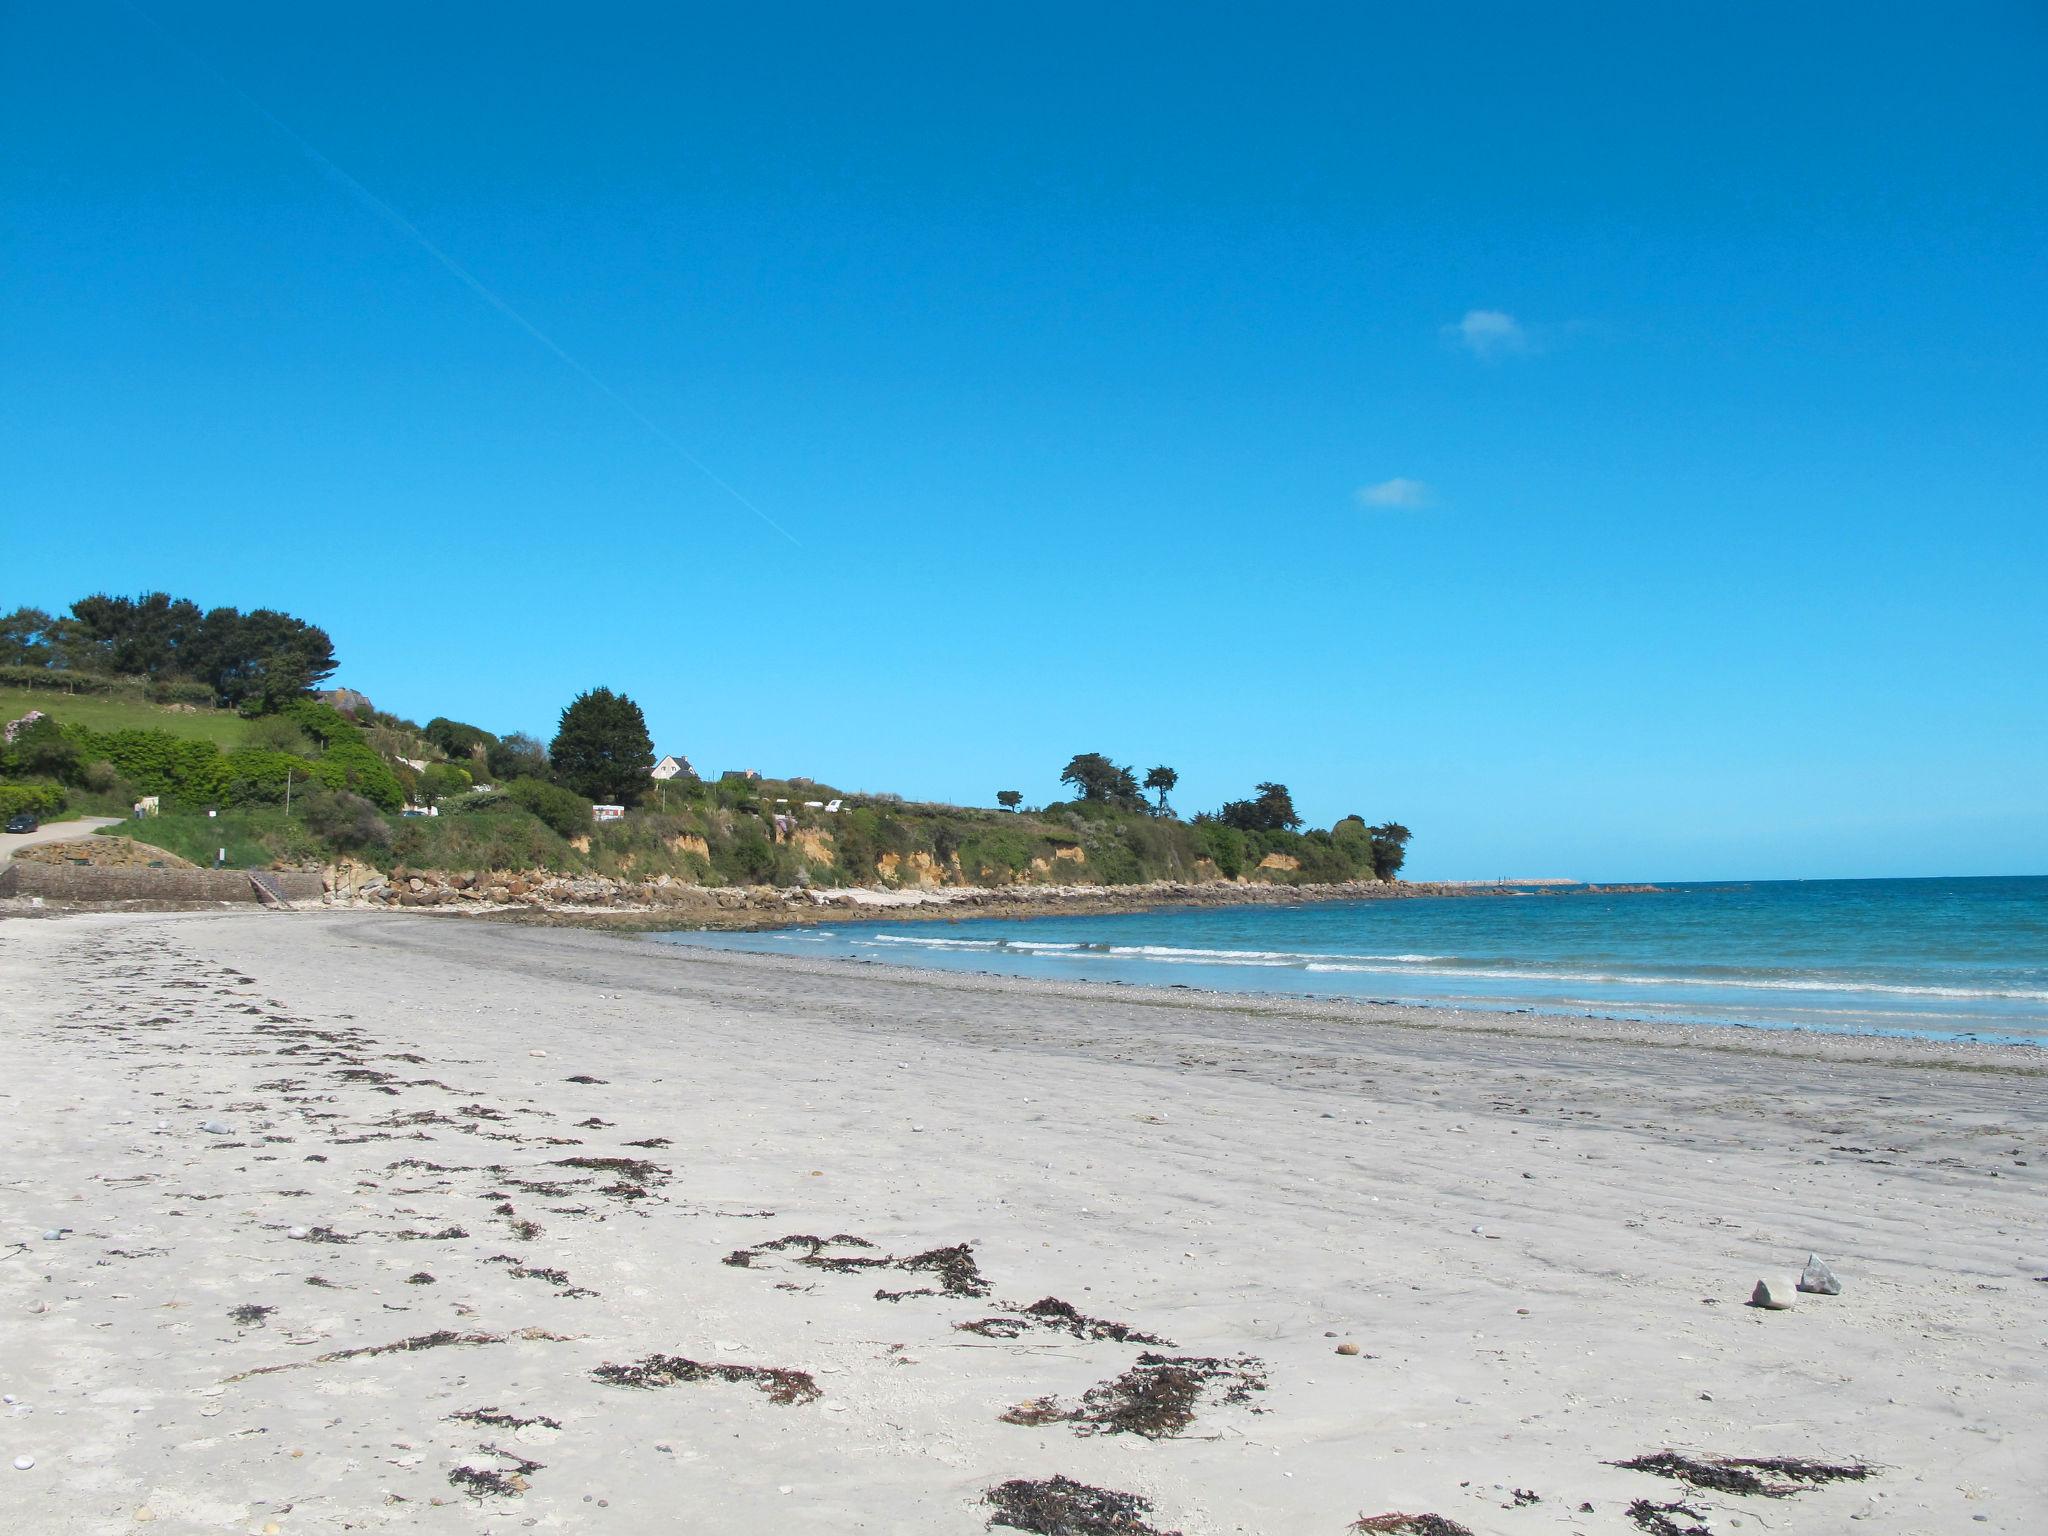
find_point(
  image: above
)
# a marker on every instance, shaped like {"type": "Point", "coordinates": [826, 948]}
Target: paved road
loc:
{"type": "Point", "coordinates": [52, 832]}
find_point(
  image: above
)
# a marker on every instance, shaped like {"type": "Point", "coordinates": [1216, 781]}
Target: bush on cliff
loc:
{"type": "Point", "coordinates": [345, 821]}
{"type": "Point", "coordinates": [563, 810]}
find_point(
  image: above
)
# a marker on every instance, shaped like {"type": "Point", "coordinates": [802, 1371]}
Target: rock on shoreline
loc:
{"type": "Point", "coordinates": [543, 895]}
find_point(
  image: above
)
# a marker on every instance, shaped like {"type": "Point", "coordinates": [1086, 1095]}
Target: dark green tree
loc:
{"type": "Point", "coordinates": [259, 661]}
{"type": "Point", "coordinates": [602, 750]}
{"type": "Point", "coordinates": [459, 741]}
{"type": "Point", "coordinates": [1009, 799]}
{"type": "Point", "coordinates": [1272, 811]}
{"type": "Point", "coordinates": [1102, 781]}
{"type": "Point", "coordinates": [25, 638]}
{"type": "Point", "coordinates": [1162, 779]}
{"type": "Point", "coordinates": [147, 636]}
{"type": "Point", "coordinates": [1389, 849]}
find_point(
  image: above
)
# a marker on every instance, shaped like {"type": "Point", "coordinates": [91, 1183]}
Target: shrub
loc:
{"type": "Point", "coordinates": [279, 733]}
{"type": "Point", "coordinates": [444, 779]}
{"type": "Point", "coordinates": [346, 821]}
{"type": "Point", "coordinates": [38, 799]}
{"type": "Point", "coordinates": [257, 776]}
{"type": "Point", "coordinates": [42, 750]}
{"type": "Point", "coordinates": [562, 809]}
{"type": "Point", "coordinates": [158, 763]}
{"type": "Point", "coordinates": [748, 858]}
{"type": "Point", "coordinates": [458, 740]}
{"type": "Point", "coordinates": [1225, 845]}
{"type": "Point", "coordinates": [349, 764]}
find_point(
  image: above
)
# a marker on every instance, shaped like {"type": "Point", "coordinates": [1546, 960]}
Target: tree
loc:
{"type": "Point", "coordinates": [1389, 849]}
{"type": "Point", "coordinates": [25, 638]}
{"type": "Point", "coordinates": [602, 750]}
{"type": "Point", "coordinates": [1161, 779]}
{"type": "Point", "coordinates": [517, 756]}
{"type": "Point", "coordinates": [458, 740]}
{"type": "Point", "coordinates": [1100, 780]}
{"type": "Point", "coordinates": [149, 636]}
{"type": "Point", "coordinates": [1009, 799]}
{"type": "Point", "coordinates": [260, 660]}
{"type": "Point", "coordinates": [1272, 811]}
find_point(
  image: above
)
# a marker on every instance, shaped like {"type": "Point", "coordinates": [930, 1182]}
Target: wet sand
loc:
{"type": "Point", "coordinates": [1538, 1234]}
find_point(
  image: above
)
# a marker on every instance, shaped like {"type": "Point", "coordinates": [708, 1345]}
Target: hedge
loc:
{"type": "Point", "coordinates": [42, 799]}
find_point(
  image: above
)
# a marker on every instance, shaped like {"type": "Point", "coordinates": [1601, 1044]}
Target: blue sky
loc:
{"type": "Point", "coordinates": [1605, 438]}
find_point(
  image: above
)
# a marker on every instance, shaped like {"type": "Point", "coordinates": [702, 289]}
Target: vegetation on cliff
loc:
{"type": "Point", "coordinates": [151, 697]}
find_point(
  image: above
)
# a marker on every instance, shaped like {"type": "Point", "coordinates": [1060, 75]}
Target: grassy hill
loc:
{"type": "Point", "coordinates": [347, 777]}
{"type": "Point", "coordinates": [130, 710]}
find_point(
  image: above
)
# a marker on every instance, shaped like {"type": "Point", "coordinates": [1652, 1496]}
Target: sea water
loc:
{"type": "Point", "coordinates": [1943, 958]}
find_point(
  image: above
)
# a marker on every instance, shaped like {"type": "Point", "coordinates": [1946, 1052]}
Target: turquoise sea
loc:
{"type": "Point", "coordinates": [1944, 958]}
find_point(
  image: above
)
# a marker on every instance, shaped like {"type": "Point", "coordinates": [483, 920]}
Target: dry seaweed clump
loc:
{"type": "Point", "coordinates": [1051, 1312]}
{"type": "Point", "coordinates": [499, 1420]}
{"type": "Point", "coordinates": [1394, 1523]}
{"type": "Point", "coordinates": [1059, 1506]}
{"type": "Point", "coordinates": [952, 1266]}
{"type": "Point", "coordinates": [1156, 1398]}
{"type": "Point", "coordinates": [1740, 1474]}
{"type": "Point", "coordinates": [1663, 1519]}
{"type": "Point", "coordinates": [787, 1387]}
{"type": "Point", "coordinates": [483, 1481]}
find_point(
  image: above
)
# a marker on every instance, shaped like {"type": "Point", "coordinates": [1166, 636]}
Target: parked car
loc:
{"type": "Point", "coordinates": [25, 822]}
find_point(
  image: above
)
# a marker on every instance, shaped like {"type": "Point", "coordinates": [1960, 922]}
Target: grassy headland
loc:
{"type": "Point", "coordinates": [239, 751]}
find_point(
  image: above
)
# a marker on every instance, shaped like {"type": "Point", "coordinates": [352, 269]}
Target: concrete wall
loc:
{"type": "Point", "coordinates": [76, 882]}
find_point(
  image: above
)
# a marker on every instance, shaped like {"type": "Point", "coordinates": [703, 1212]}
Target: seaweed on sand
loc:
{"type": "Point", "coordinates": [953, 1266]}
{"type": "Point", "coordinates": [634, 1176]}
{"type": "Point", "coordinates": [490, 1480]}
{"type": "Point", "coordinates": [1738, 1474]}
{"type": "Point", "coordinates": [1662, 1519]}
{"type": "Point", "coordinates": [249, 1315]}
{"type": "Point", "coordinates": [1051, 1312]}
{"type": "Point", "coordinates": [324, 1235]}
{"type": "Point", "coordinates": [1394, 1523]}
{"type": "Point", "coordinates": [439, 1339]}
{"type": "Point", "coordinates": [1059, 1506]}
{"type": "Point", "coordinates": [559, 1278]}
{"type": "Point", "coordinates": [498, 1420]}
{"type": "Point", "coordinates": [784, 1386]}
{"type": "Point", "coordinates": [1155, 1398]}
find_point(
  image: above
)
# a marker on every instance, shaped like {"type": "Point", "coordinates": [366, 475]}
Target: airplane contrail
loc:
{"type": "Point", "coordinates": [458, 271]}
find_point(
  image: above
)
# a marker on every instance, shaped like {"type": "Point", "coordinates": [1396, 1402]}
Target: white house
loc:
{"type": "Point", "coordinates": [607, 813]}
{"type": "Point", "coordinates": [672, 767]}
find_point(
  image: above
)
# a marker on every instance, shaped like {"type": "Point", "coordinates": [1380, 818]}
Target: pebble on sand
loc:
{"type": "Point", "coordinates": [1762, 1298]}
{"type": "Point", "coordinates": [1817, 1279]}
{"type": "Point", "coordinates": [1347, 1348]}
{"type": "Point", "coordinates": [23, 1463]}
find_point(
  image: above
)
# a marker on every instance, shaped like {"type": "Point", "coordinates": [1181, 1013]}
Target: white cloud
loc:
{"type": "Point", "coordinates": [1397, 492]}
{"type": "Point", "coordinates": [1489, 333]}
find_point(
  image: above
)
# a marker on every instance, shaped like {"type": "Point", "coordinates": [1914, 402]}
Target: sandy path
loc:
{"type": "Point", "coordinates": [1539, 1237]}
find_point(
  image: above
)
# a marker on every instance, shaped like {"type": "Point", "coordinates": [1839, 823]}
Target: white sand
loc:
{"type": "Point", "coordinates": [1540, 1236]}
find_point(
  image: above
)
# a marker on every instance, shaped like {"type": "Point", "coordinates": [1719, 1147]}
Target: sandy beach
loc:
{"type": "Point", "coordinates": [336, 1220]}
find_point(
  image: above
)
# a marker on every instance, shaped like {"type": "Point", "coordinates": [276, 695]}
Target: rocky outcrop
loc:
{"type": "Point", "coordinates": [664, 897]}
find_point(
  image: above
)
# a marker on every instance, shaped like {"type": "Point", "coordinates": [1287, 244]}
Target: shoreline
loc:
{"type": "Point", "coordinates": [458, 1183]}
{"type": "Point", "coordinates": [1459, 1014]}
